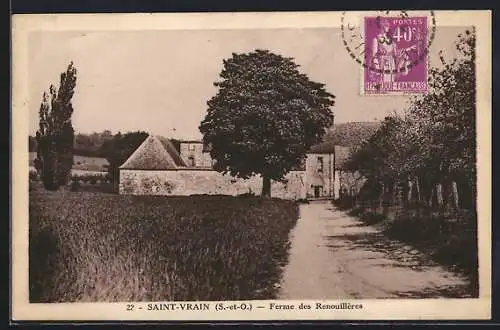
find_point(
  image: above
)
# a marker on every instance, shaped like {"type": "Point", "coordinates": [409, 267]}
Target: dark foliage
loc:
{"type": "Point", "coordinates": [433, 145]}
{"type": "Point", "coordinates": [264, 117]}
{"type": "Point", "coordinates": [118, 149]}
{"type": "Point", "coordinates": [54, 139]}
{"type": "Point", "coordinates": [421, 168]}
{"type": "Point", "coordinates": [75, 185]}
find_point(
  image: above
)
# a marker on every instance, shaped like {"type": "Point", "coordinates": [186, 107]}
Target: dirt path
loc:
{"type": "Point", "coordinates": [336, 256]}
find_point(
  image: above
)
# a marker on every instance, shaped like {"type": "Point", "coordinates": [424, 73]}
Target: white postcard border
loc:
{"type": "Point", "coordinates": [381, 309]}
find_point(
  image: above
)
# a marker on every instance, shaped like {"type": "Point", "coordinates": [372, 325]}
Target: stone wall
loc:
{"type": "Point", "coordinates": [317, 175]}
{"type": "Point", "coordinates": [194, 182]}
{"type": "Point", "coordinates": [336, 184]}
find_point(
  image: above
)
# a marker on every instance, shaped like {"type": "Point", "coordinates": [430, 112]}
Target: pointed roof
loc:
{"type": "Point", "coordinates": [172, 150]}
{"type": "Point", "coordinates": [155, 153]}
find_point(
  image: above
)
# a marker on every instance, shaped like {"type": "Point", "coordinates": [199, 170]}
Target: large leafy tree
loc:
{"type": "Point", "coordinates": [55, 134]}
{"type": "Point", "coordinates": [264, 117]}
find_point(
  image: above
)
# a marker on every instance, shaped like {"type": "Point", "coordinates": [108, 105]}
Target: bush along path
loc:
{"type": "Point", "coordinates": [334, 256]}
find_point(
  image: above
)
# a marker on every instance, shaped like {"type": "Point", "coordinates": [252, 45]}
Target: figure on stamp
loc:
{"type": "Point", "coordinates": [387, 60]}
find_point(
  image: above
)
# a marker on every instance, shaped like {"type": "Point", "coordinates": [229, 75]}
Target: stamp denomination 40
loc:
{"type": "Point", "coordinates": [392, 49]}
{"type": "Point", "coordinates": [395, 55]}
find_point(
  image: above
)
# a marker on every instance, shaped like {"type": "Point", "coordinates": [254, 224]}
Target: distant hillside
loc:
{"type": "Point", "coordinates": [351, 134]}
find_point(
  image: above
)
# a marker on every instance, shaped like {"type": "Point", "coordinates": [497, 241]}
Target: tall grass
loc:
{"type": "Point", "coordinates": [103, 247]}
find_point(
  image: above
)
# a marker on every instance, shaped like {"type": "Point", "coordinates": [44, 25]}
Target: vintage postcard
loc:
{"type": "Point", "coordinates": [252, 166]}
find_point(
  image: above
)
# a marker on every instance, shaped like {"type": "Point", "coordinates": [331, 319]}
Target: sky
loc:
{"type": "Point", "coordinates": [160, 81]}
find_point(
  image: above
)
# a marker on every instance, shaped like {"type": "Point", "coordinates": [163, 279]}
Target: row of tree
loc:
{"type": "Point", "coordinates": [427, 155]}
{"type": "Point", "coordinates": [89, 145]}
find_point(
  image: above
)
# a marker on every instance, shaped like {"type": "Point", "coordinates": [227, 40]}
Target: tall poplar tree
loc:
{"type": "Point", "coordinates": [55, 136]}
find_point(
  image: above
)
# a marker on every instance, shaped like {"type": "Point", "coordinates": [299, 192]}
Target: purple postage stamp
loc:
{"type": "Point", "coordinates": [395, 55]}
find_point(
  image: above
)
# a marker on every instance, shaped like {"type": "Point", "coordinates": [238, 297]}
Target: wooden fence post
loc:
{"type": "Point", "coordinates": [454, 190]}
{"type": "Point", "coordinates": [439, 194]}
{"type": "Point", "coordinates": [418, 190]}
{"type": "Point", "coordinates": [410, 191]}
{"type": "Point", "coordinates": [431, 197]}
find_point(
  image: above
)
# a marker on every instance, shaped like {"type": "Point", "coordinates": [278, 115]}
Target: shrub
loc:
{"type": "Point", "coordinates": [89, 176]}
{"type": "Point", "coordinates": [75, 185]}
{"type": "Point", "coordinates": [356, 211]}
{"type": "Point", "coordinates": [448, 238]}
{"type": "Point", "coordinates": [33, 175]}
{"type": "Point", "coordinates": [372, 218]}
{"type": "Point", "coordinates": [247, 194]}
{"type": "Point", "coordinates": [32, 185]}
{"type": "Point", "coordinates": [344, 203]}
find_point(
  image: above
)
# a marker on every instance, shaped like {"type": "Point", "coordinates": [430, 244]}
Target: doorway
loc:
{"type": "Point", "coordinates": [318, 191]}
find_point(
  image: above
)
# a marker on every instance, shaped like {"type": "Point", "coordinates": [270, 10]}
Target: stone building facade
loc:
{"type": "Point", "coordinates": [324, 169]}
{"type": "Point", "coordinates": [195, 154]}
{"type": "Point", "coordinates": [190, 181]}
{"type": "Point", "coordinates": [158, 168]}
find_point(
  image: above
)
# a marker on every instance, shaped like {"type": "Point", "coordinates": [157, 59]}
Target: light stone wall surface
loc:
{"type": "Point", "coordinates": [192, 152]}
{"type": "Point", "coordinates": [319, 177]}
{"type": "Point", "coordinates": [187, 182]}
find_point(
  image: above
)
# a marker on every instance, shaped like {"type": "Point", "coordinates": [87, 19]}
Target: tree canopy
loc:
{"type": "Point", "coordinates": [264, 117]}
{"type": "Point", "coordinates": [54, 138]}
{"type": "Point", "coordinates": [435, 138]}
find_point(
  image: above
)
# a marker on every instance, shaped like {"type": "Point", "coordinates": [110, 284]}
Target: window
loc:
{"type": "Point", "coordinates": [191, 147]}
{"type": "Point", "coordinates": [320, 164]}
{"type": "Point", "coordinates": [192, 161]}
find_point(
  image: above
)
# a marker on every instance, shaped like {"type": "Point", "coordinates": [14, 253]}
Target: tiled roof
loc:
{"type": "Point", "coordinates": [351, 134]}
{"type": "Point", "coordinates": [155, 153]}
{"type": "Point", "coordinates": [342, 154]}
{"type": "Point", "coordinates": [172, 150]}
{"type": "Point", "coordinates": [323, 148]}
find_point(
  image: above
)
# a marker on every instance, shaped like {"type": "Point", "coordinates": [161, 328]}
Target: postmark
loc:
{"type": "Point", "coordinates": [392, 49]}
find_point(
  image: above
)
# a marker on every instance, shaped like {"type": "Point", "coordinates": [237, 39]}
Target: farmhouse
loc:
{"type": "Point", "coordinates": [157, 167]}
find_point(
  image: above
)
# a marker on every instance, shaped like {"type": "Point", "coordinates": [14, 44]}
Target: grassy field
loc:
{"type": "Point", "coordinates": [90, 246]}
